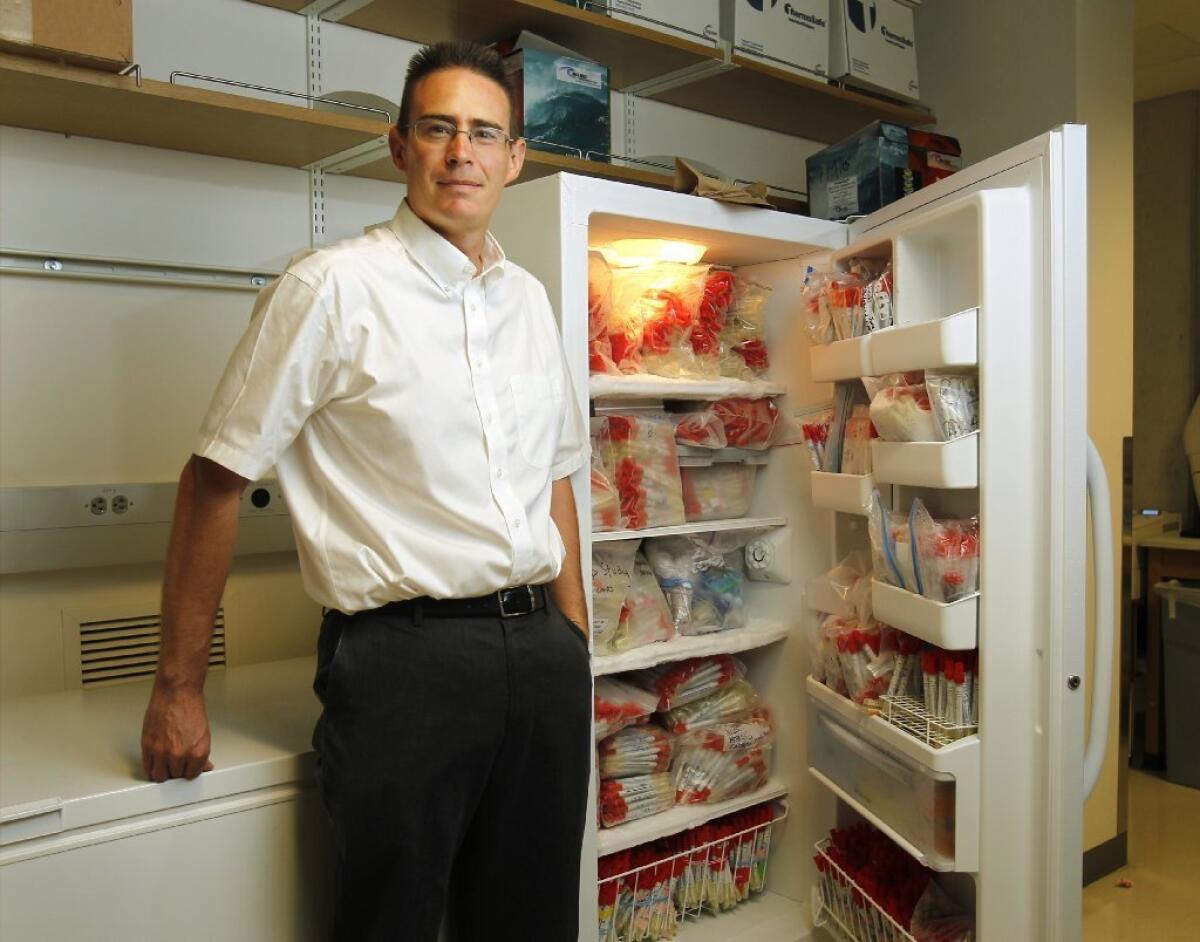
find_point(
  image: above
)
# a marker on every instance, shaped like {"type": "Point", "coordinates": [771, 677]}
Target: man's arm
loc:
{"type": "Point", "coordinates": [567, 589]}
{"type": "Point", "coordinates": [175, 734]}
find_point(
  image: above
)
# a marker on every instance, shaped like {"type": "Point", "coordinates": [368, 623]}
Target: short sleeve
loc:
{"type": "Point", "coordinates": [282, 371]}
{"type": "Point", "coordinates": [573, 441]}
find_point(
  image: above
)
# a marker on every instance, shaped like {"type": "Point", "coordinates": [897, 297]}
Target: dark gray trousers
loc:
{"type": "Point", "coordinates": [453, 757]}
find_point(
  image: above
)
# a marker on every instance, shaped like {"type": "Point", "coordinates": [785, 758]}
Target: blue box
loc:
{"type": "Point", "coordinates": [561, 102]}
{"type": "Point", "coordinates": [860, 174]}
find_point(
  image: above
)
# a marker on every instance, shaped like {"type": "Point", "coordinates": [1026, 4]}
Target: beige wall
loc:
{"type": "Point", "coordinates": [1166, 345]}
{"type": "Point", "coordinates": [997, 74]}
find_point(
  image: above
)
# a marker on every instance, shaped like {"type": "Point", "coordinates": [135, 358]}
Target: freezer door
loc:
{"type": "Point", "coordinates": [1008, 237]}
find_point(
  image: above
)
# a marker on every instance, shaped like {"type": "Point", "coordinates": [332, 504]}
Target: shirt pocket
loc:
{"type": "Point", "coordinates": [538, 405]}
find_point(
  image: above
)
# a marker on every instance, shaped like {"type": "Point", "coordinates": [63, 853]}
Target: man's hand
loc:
{"type": "Point", "coordinates": [175, 735]}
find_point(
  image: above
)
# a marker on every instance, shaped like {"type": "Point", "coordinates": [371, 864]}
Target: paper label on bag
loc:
{"type": "Point", "coordinates": [843, 197]}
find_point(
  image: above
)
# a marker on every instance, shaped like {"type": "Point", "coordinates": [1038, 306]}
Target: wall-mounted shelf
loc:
{"type": "Point", "coordinates": [743, 90]}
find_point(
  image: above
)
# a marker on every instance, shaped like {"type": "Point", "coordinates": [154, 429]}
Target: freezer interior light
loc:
{"type": "Point", "coordinates": [626, 252]}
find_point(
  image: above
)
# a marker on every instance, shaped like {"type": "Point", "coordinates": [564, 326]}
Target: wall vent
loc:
{"type": "Point", "coordinates": [115, 648]}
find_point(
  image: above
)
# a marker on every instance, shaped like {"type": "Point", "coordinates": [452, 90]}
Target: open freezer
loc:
{"type": "Point", "coordinates": [987, 280]}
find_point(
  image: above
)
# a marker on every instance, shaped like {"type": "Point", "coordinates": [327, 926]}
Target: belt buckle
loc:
{"type": "Point", "coordinates": [504, 613]}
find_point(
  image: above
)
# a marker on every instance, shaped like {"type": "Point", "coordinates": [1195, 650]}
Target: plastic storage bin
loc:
{"type": "Point", "coordinates": [718, 492]}
{"type": "Point", "coordinates": [913, 805]}
{"type": "Point", "coordinates": [1181, 657]}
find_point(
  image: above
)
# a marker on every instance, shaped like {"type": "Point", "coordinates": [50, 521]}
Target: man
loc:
{"type": "Point", "coordinates": [410, 387]}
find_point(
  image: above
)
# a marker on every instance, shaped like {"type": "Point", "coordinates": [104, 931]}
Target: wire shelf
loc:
{"type": "Point", "coordinates": [910, 715]}
{"type": "Point", "coordinates": [843, 906]}
{"type": "Point", "coordinates": [651, 901]}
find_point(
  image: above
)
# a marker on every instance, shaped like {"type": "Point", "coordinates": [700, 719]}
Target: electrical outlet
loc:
{"type": "Point", "coordinates": [98, 506]}
{"type": "Point", "coordinates": [121, 504]}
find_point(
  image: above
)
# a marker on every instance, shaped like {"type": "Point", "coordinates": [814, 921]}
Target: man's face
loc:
{"type": "Point", "coordinates": [455, 186]}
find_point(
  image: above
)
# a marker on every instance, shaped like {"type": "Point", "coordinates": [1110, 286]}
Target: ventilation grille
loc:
{"type": "Point", "coordinates": [119, 650]}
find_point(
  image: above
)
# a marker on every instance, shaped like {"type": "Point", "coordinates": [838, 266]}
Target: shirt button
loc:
{"type": "Point", "coordinates": [499, 473]}
{"type": "Point", "coordinates": [516, 524]}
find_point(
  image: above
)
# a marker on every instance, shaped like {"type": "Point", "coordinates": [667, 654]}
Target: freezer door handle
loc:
{"type": "Point", "coordinates": [1102, 650]}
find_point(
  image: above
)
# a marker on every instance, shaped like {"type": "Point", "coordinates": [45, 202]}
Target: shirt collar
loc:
{"type": "Point", "coordinates": [442, 261]}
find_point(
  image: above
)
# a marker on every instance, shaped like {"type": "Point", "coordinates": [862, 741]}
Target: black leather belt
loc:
{"type": "Point", "coordinates": [507, 603]}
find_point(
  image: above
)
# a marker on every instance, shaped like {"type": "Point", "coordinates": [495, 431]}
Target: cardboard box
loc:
{"type": "Point", "coordinates": [697, 20]}
{"type": "Point", "coordinates": [95, 33]}
{"type": "Point", "coordinates": [560, 101]}
{"type": "Point", "coordinates": [792, 35]}
{"type": "Point", "coordinates": [877, 166]}
{"type": "Point", "coordinates": [873, 45]}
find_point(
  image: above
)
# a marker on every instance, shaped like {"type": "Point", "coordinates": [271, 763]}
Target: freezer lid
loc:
{"type": "Point", "coordinates": [1027, 268]}
{"type": "Point", "coordinates": [72, 760]}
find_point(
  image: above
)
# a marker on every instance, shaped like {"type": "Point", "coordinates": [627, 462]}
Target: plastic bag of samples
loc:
{"type": "Point", "coordinates": [606, 502]}
{"type": "Point", "coordinates": [641, 452]}
{"type": "Point", "coordinates": [702, 429]}
{"type": "Point", "coordinates": [600, 353]}
{"type": "Point", "coordinates": [710, 321]}
{"type": "Point", "coordinates": [873, 385]}
{"type": "Point", "coordinates": [628, 799]}
{"type": "Point", "coordinates": [814, 426]}
{"type": "Point", "coordinates": [635, 750]}
{"type": "Point", "coordinates": [612, 574]}
{"type": "Point", "coordinates": [954, 398]}
{"type": "Point", "coordinates": [655, 308]}
{"type": "Point", "coordinates": [818, 319]}
{"type": "Point", "coordinates": [683, 682]}
{"type": "Point", "coordinates": [748, 423]}
{"type": "Point", "coordinates": [845, 291]}
{"type": "Point", "coordinates": [723, 760]}
{"type": "Point", "coordinates": [645, 617]}
{"type": "Point", "coordinates": [744, 340]}
{"type": "Point", "coordinates": [904, 414]}
{"type": "Point", "coordinates": [718, 492]}
{"type": "Point", "coordinates": [877, 301]}
{"type": "Point", "coordinates": [891, 545]}
{"type": "Point", "coordinates": [947, 554]}
{"type": "Point", "coordinates": [617, 704]}
{"type": "Point", "coordinates": [726, 704]}
{"type": "Point", "coordinates": [703, 578]}
{"type": "Point", "coordinates": [856, 444]}
{"type": "Point", "coordinates": [850, 583]}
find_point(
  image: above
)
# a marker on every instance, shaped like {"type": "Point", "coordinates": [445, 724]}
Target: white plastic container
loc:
{"type": "Point", "coordinates": [952, 626]}
{"type": "Point", "coordinates": [720, 491]}
{"type": "Point", "coordinates": [952, 465]}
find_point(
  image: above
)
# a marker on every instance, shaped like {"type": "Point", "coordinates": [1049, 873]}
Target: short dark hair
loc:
{"type": "Point", "coordinates": [452, 54]}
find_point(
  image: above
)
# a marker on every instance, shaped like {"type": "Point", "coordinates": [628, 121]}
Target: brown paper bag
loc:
{"type": "Point", "coordinates": [690, 180]}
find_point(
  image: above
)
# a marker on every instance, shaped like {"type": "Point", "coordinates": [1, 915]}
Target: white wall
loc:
{"type": "Point", "coordinates": [999, 73]}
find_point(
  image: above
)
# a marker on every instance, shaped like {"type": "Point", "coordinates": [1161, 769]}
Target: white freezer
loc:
{"type": "Point", "coordinates": [989, 270]}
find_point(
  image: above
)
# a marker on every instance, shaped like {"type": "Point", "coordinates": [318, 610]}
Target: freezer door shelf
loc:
{"type": "Point", "coordinates": [848, 493]}
{"type": "Point", "coordinates": [925, 799]}
{"type": "Point", "coordinates": [952, 626]}
{"type": "Point", "coordinates": [949, 342]}
{"type": "Point", "coordinates": [952, 465]}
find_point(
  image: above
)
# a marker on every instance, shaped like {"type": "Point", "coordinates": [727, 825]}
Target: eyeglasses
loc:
{"type": "Point", "coordinates": [437, 131]}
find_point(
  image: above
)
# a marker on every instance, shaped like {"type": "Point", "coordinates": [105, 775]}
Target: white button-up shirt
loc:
{"type": "Point", "coordinates": [416, 412]}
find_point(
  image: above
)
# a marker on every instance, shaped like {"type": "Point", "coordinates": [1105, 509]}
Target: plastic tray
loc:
{"type": "Point", "coordinates": [950, 341]}
{"type": "Point", "coordinates": [953, 464]}
{"type": "Point", "coordinates": [952, 626]}
{"type": "Point", "coordinates": [849, 493]}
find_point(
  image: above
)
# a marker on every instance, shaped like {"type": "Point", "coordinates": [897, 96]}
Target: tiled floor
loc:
{"type": "Point", "coordinates": [1163, 904]}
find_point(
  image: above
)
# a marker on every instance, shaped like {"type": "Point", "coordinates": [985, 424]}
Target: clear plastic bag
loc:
{"type": "Point", "coordinates": [641, 451]}
{"type": "Point", "coordinates": [726, 704]}
{"type": "Point", "coordinates": [682, 682]}
{"type": "Point", "coordinates": [606, 502]}
{"type": "Point", "coordinates": [843, 580]}
{"type": "Point", "coordinates": [876, 384]}
{"type": "Point", "coordinates": [954, 399]}
{"type": "Point", "coordinates": [617, 704]}
{"type": "Point", "coordinates": [818, 319]}
{"type": "Point", "coordinates": [600, 299]}
{"type": "Point", "coordinates": [877, 301]}
{"type": "Point", "coordinates": [703, 578]}
{"type": "Point", "coordinates": [702, 429]}
{"type": "Point", "coordinates": [628, 799]}
{"type": "Point", "coordinates": [612, 574]}
{"type": "Point", "coordinates": [748, 423]}
{"type": "Point", "coordinates": [655, 308]}
{"type": "Point", "coordinates": [947, 554]}
{"type": "Point", "coordinates": [718, 492]}
{"type": "Point", "coordinates": [723, 760]}
{"type": "Point", "coordinates": [856, 445]}
{"type": "Point", "coordinates": [846, 305]}
{"type": "Point", "coordinates": [891, 546]}
{"type": "Point", "coordinates": [635, 750]}
{"type": "Point", "coordinates": [645, 617]}
{"type": "Point", "coordinates": [904, 414]}
{"type": "Point", "coordinates": [744, 340]}
{"type": "Point", "coordinates": [815, 429]}
{"type": "Point", "coordinates": [718, 298]}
